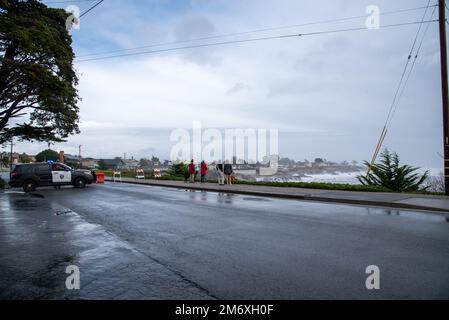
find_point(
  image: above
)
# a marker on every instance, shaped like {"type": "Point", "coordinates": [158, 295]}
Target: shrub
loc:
{"type": "Point", "coordinates": [391, 175]}
{"type": "Point", "coordinates": [177, 170]}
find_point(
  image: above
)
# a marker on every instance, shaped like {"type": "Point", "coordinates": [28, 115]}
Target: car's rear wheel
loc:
{"type": "Point", "coordinates": [29, 186]}
{"type": "Point", "coordinates": [80, 183]}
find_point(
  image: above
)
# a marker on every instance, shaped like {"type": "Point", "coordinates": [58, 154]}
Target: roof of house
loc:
{"type": "Point", "coordinates": [130, 161]}
{"type": "Point", "coordinates": [113, 162]}
{"type": "Point", "coordinates": [71, 157]}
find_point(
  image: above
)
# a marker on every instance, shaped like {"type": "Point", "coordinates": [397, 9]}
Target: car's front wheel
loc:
{"type": "Point", "coordinates": [29, 186]}
{"type": "Point", "coordinates": [80, 183]}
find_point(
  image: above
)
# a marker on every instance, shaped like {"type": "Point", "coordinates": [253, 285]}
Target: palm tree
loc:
{"type": "Point", "coordinates": [390, 174]}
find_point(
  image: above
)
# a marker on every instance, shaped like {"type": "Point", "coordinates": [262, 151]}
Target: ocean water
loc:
{"type": "Point", "coordinates": [341, 177]}
{"type": "Point", "coordinates": [351, 177]}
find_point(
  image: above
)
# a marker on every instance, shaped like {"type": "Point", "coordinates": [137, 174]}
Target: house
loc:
{"type": "Point", "coordinates": [72, 161]}
{"type": "Point", "coordinates": [113, 164]}
{"type": "Point", "coordinates": [89, 163]}
{"type": "Point", "coordinates": [130, 164]}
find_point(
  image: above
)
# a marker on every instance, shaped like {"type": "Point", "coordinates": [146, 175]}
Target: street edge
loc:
{"type": "Point", "coordinates": [311, 198]}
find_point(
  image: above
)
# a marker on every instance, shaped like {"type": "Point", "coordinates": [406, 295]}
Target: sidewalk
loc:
{"type": "Point", "coordinates": [393, 200]}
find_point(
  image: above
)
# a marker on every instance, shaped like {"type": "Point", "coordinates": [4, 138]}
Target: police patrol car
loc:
{"type": "Point", "coordinates": [31, 176]}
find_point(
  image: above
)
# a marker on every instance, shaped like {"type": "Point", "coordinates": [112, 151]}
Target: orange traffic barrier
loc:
{"type": "Point", "coordinates": [100, 177]}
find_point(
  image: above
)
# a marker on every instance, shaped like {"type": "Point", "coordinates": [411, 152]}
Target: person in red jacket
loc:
{"type": "Point", "coordinates": [191, 170]}
{"type": "Point", "coordinates": [203, 171]}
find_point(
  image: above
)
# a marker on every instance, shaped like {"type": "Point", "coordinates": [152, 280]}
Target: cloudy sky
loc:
{"type": "Point", "coordinates": [328, 95]}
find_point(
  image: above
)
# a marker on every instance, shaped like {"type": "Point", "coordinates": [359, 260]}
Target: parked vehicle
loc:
{"type": "Point", "coordinates": [31, 176]}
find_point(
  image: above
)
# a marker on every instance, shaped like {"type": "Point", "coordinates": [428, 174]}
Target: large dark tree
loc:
{"type": "Point", "coordinates": [47, 155]}
{"type": "Point", "coordinates": [38, 96]}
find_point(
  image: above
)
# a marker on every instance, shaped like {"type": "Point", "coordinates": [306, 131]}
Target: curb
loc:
{"type": "Point", "coordinates": [296, 197]}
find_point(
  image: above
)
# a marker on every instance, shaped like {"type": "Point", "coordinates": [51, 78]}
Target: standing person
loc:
{"type": "Point", "coordinates": [228, 172]}
{"type": "Point", "coordinates": [186, 173]}
{"type": "Point", "coordinates": [220, 173]}
{"type": "Point", "coordinates": [191, 170]}
{"type": "Point", "coordinates": [197, 172]}
{"type": "Point", "coordinates": [203, 171]}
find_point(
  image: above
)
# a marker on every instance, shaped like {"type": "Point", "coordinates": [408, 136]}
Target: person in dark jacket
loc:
{"type": "Point", "coordinates": [228, 173]}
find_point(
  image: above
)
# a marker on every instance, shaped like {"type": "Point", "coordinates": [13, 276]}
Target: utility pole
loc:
{"type": "Point", "coordinates": [79, 156]}
{"type": "Point", "coordinates": [444, 84]}
{"type": "Point", "coordinates": [10, 156]}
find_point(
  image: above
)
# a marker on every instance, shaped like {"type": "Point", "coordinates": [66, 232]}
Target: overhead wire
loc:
{"type": "Point", "coordinates": [411, 69]}
{"type": "Point", "coordinates": [250, 40]}
{"type": "Point", "coordinates": [253, 31]}
{"type": "Point", "coordinates": [91, 8]}
{"type": "Point", "coordinates": [397, 92]}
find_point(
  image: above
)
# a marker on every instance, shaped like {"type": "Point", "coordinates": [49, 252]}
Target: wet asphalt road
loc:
{"type": "Point", "coordinates": [140, 242]}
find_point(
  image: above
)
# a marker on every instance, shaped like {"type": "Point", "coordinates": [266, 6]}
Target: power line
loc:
{"type": "Point", "coordinates": [396, 95]}
{"type": "Point", "coordinates": [407, 64]}
{"type": "Point", "coordinates": [68, 1]}
{"type": "Point", "coordinates": [77, 1]}
{"type": "Point", "coordinates": [411, 68]}
{"type": "Point", "coordinates": [255, 31]}
{"type": "Point", "coordinates": [250, 40]}
{"type": "Point", "coordinates": [91, 8]}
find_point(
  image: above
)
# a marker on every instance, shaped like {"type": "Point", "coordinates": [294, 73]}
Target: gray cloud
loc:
{"type": "Point", "coordinates": [238, 87]}
{"type": "Point", "coordinates": [336, 87]}
{"type": "Point", "coordinates": [195, 28]}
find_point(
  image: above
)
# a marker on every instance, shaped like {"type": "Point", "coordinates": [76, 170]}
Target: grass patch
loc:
{"type": "Point", "coordinates": [2, 184]}
{"type": "Point", "coordinates": [333, 186]}
{"type": "Point", "coordinates": [318, 185]}
{"type": "Point", "coordinates": [169, 178]}
{"type": "Point", "coordinates": [305, 185]}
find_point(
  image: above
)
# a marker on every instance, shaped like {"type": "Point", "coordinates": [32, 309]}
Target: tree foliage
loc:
{"type": "Point", "coordinates": [390, 174]}
{"type": "Point", "coordinates": [24, 158]}
{"type": "Point", "coordinates": [102, 165]}
{"type": "Point", "coordinates": [47, 155]}
{"type": "Point", "coordinates": [177, 169]}
{"type": "Point", "coordinates": [38, 96]}
{"type": "Point", "coordinates": [145, 163]}
{"type": "Point", "coordinates": [4, 159]}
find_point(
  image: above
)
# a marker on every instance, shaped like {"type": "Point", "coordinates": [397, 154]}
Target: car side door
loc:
{"type": "Point", "coordinates": [43, 173]}
{"type": "Point", "coordinates": [61, 174]}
